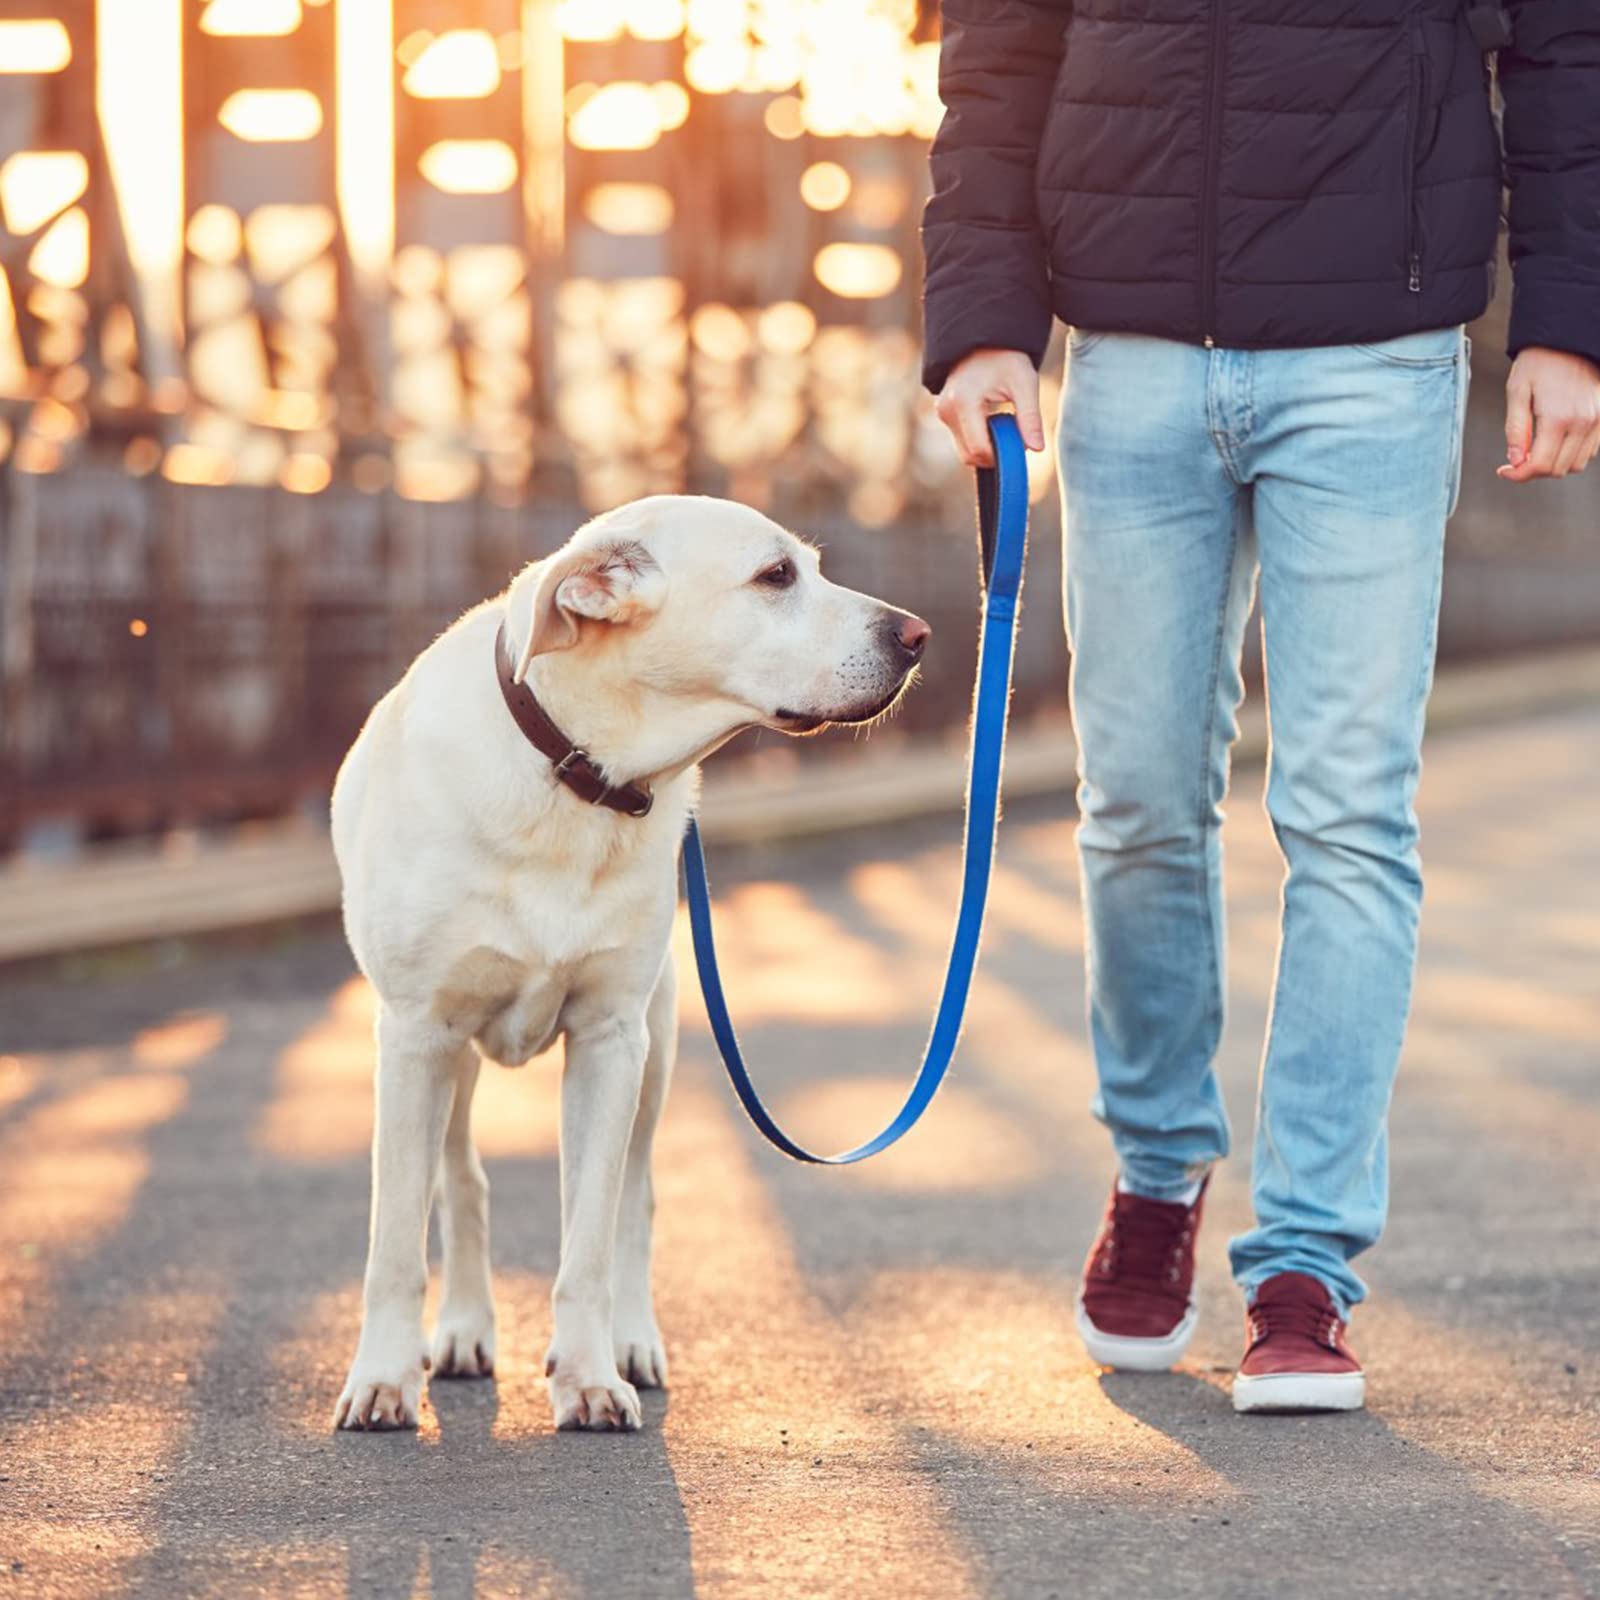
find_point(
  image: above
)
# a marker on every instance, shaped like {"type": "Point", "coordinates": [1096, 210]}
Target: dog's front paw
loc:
{"type": "Point", "coordinates": [383, 1391]}
{"type": "Point", "coordinates": [597, 1400]}
{"type": "Point", "coordinates": [374, 1403]}
{"type": "Point", "coordinates": [463, 1343]}
{"type": "Point", "coordinates": [641, 1356]}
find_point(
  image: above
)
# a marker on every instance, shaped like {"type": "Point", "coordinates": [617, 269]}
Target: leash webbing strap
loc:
{"type": "Point", "coordinates": [1003, 536]}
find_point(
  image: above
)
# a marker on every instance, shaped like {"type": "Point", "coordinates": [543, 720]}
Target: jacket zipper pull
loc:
{"type": "Point", "coordinates": [1415, 283]}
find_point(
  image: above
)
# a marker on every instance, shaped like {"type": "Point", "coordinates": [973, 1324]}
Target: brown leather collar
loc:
{"type": "Point", "coordinates": [572, 766]}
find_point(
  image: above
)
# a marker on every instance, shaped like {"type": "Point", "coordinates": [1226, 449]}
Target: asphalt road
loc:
{"type": "Point", "coordinates": [876, 1386]}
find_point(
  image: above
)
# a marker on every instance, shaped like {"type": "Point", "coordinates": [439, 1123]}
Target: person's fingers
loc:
{"type": "Point", "coordinates": [1548, 437]}
{"type": "Point", "coordinates": [1591, 449]}
{"type": "Point", "coordinates": [950, 409]}
{"type": "Point", "coordinates": [1571, 449]}
{"type": "Point", "coordinates": [1030, 423]}
{"type": "Point", "coordinates": [989, 382]}
{"type": "Point", "coordinates": [1519, 419]}
{"type": "Point", "coordinates": [977, 450]}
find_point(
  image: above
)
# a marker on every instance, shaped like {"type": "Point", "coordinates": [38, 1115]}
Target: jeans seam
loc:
{"type": "Point", "coordinates": [1222, 440]}
{"type": "Point", "coordinates": [1202, 806]}
{"type": "Point", "coordinates": [1459, 395]}
{"type": "Point", "coordinates": [1452, 479]}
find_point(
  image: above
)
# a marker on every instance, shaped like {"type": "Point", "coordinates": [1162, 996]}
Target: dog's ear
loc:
{"type": "Point", "coordinates": [614, 583]}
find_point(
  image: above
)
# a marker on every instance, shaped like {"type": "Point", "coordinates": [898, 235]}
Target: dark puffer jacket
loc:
{"type": "Point", "coordinates": [1258, 173]}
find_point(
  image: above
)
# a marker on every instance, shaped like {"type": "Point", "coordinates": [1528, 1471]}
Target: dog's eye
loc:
{"type": "Point", "coordinates": [780, 575]}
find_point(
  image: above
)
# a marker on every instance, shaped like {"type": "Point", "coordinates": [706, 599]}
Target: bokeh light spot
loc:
{"type": "Point", "coordinates": [825, 186]}
{"type": "Point", "coordinates": [857, 271]}
{"type": "Point", "coordinates": [272, 116]}
{"type": "Point", "coordinates": [469, 166]}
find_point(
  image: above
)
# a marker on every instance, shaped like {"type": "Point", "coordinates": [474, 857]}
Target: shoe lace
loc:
{"type": "Point", "coordinates": [1319, 1323]}
{"type": "Point", "coordinates": [1144, 1240]}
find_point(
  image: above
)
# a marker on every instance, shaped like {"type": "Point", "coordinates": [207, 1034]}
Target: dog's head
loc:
{"type": "Point", "coordinates": [707, 604]}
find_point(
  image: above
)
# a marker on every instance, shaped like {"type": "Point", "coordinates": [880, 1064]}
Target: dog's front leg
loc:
{"type": "Point", "coordinates": [415, 1085]}
{"type": "Point", "coordinates": [641, 1356]}
{"type": "Point", "coordinates": [463, 1342]}
{"type": "Point", "coordinates": [599, 1100]}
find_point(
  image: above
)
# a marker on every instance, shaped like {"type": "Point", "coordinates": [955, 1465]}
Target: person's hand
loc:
{"type": "Point", "coordinates": [1552, 415]}
{"type": "Point", "coordinates": [981, 383]}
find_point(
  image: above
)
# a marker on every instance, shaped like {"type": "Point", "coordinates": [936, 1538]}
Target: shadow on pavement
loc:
{"type": "Point", "coordinates": [879, 1387]}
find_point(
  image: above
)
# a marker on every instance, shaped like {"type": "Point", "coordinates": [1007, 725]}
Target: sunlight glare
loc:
{"type": "Point", "coordinates": [36, 185]}
{"type": "Point", "coordinates": [591, 21]}
{"type": "Point", "coordinates": [272, 116]}
{"type": "Point", "coordinates": [460, 65]}
{"type": "Point", "coordinates": [469, 166]}
{"type": "Point", "coordinates": [629, 208]}
{"type": "Point", "coordinates": [215, 234]}
{"type": "Point", "coordinates": [139, 60]}
{"type": "Point", "coordinates": [621, 116]}
{"type": "Point", "coordinates": [857, 271]}
{"type": "Point", "coordinates": [720, 332]}
{"type": "Point", "coordinates": [258, 19]}
{"type": "Point", "coordinates": [34, 45]}
{"type": "Point", "coordinates": [61, 257]}
{"type": "Point", "coordinates": [305, 474]}
{"type": "Point", "coordinates": [655, 19]}
{"type": "Point", "coordinates": [196, 464]}
{"type": "Point", "coordinates": [365, 135]}
{"type": "Point", "coordinates": [282, 238]}
{"type": "Point", "coordinates": [787, 327]}
{"type": "Point", "coordinates": [13, 369]}
{"type": "Point", "coordinates": [718, 67]}
{"type": "Point", "coordinates": [825, 186]}
{"type": "Point", "coordinates": [672, 104]}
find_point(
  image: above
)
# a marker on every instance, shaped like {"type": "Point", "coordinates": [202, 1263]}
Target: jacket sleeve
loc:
{"type": "Point", "coordinates": [1550, 80]}
{"type": "Point", "coordinates": [986, 283]}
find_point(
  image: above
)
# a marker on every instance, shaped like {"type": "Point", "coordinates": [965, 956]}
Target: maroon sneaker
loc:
{"type": "Point", "coordinates": [1297, 1359]}
{"type": "Point", "coordinates": [1136, 1310]}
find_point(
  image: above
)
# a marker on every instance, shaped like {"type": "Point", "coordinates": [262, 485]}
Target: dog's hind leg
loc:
{"type": "Point", "coordinates": [417, 1067]}
{"type": "Point", "coordinates": [641, 1357]}
{"type": "Point", "coordinates": [599, 1102]}
{"type": "Point", "coordinates": [463, 1342]}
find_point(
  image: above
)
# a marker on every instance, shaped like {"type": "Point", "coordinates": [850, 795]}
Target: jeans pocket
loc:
{"type": "Point", "coordinates": [1437, 347]}
{"type": "Point", "coordinates": [1080, 341]}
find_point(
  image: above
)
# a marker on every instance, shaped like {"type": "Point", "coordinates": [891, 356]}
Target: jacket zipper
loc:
{"type": "Point", "coordinates": [1417, 105]}
{"type": "Point", "coordinates": [1208, 203]}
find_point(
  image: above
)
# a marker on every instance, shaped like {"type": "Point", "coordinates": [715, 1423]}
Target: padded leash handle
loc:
{"type": "Point", "coordinates": [1003, 542]}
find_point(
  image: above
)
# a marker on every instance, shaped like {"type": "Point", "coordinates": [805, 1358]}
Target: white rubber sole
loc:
{"type": "Point", "coordinates": [1300, 1391]}
{"type": "Point", "coordinates": [1136, 1355]}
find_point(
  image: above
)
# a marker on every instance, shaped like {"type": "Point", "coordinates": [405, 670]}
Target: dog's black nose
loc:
{"type": "Point", "coordinates": [909, 634]}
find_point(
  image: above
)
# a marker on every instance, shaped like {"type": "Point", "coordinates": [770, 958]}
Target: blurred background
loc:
{"type": "Point", "coordinates": [320, 317]}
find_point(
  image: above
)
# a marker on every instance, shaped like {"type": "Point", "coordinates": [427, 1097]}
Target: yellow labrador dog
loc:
{"type": "Point", "coordinates": [500, 897]}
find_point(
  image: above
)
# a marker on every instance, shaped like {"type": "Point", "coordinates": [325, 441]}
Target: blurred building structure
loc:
{"type": "Point", "coordinates": [318, 317]}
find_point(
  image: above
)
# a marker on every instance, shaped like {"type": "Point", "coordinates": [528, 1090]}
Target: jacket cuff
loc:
{"type": "Point", "coordinates": [1556, 314]}
{"type": "Point", "coordinates": [1012, 322]}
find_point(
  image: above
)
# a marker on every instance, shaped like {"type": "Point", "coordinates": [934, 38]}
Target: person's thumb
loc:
{"type": "Point", "coordinates": [1519, 420]}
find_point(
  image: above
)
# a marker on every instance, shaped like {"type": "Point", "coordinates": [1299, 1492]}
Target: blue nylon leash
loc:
{"type": "Point", "coordinates": [1003, 537]}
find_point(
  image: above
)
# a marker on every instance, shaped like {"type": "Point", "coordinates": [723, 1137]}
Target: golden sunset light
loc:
{"type": "Point", "coordinates": [33, 46]}
{"type": "Point", "coordinates": [253, 145]}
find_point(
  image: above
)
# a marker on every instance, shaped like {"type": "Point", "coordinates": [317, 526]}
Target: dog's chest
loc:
{"type": "Point", "coordinates": [512, 1011]}
{"type": "Point", "coordinates": [553, 919]}
{"type": "Point", "coordinates": [539, 937]}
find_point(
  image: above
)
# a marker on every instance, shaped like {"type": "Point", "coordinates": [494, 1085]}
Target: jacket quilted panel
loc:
{"type": "Point", "coordinates": [1258, 172]}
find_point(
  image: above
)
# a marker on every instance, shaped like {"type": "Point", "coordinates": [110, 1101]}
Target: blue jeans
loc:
{"type": "Point", "coordinates": [1186, 473]}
